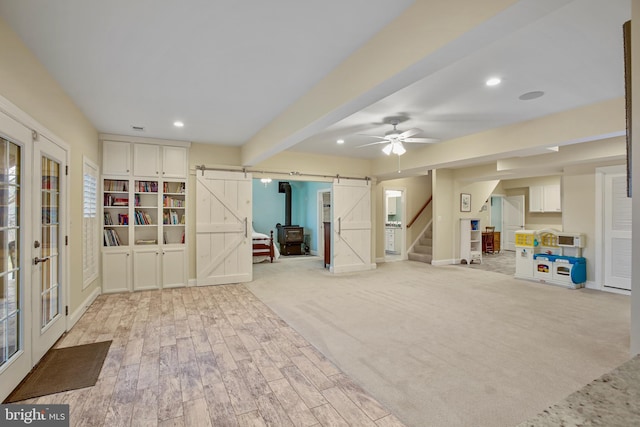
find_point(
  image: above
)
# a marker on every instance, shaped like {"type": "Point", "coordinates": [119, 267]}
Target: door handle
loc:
{"type": "Point", "coordinates": [339, 225]}
{"type": "Point", "coordinates": [37, 260]}
{"type": "Point", "coordinates": [246, 231]}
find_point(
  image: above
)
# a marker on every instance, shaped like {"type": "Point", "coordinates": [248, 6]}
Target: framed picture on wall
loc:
{"type": "Point", "coordinates": [465, 202]}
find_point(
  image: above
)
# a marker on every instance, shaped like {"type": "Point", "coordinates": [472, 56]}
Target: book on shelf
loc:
{"type": "Point", "coordinates": [123, 219]}
{"type": "Point", "coordinates": [107, 219]}
{"type": "Point", "coordinates": [116, 185]}
{"type": "Point", "coordinates": [111, 238]}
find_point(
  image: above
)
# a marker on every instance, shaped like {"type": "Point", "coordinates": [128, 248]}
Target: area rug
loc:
{"type": "Point", "coordinates": [63, 369]}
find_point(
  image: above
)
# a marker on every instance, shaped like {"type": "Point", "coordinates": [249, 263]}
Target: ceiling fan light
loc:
{"type": "Point", "coordinates": [398, 149]}
{"type": "Point", "coordinates": [387, 149]}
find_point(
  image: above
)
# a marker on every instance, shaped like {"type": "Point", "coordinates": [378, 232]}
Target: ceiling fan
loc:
{"type": "Point", "coordinates": [395, 139]}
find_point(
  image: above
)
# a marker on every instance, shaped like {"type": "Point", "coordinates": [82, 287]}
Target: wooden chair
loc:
{"type": "Point", "coordinates": [487, 239]}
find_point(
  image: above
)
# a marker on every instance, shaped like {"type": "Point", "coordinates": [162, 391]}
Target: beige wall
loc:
{"type": "Point", "coordinates": [25, 82]}
{"type": "Point", "coordinates": [443, 220]}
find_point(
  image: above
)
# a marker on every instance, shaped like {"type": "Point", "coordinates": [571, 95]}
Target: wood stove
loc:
{"type": "Point", "coordinates": [291, 239]}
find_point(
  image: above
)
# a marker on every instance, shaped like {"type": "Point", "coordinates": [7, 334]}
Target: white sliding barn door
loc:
{"type": "Point", "coordinates": [223, 228]}
{"type": "Point", "coordinates": [351, 241]}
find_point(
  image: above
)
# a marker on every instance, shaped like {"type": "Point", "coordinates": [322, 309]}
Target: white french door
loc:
{"type": "Point", "coordinates": [15, 303]}
{"type": "Point", "coordinates": [48, 246]}
{"type": "Point", "coordinates": [617, 232]}
{"type": "Point", "coordinates": [351, 242]}
{"type": "Point", "coordinates": [513, 217]}
{"type": "Point", "coordinates": [223, 228]}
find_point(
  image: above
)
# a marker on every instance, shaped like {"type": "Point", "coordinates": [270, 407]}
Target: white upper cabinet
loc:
{"type": "Point", "coordinates": [545, 198]}
{"type": "Point", "coordinates": [159, 161]}
{"type": "Point", "coordinates": [116, 158]}
{"type": "Point", "coordinates": [174, 162]}
{"type": "Point", "coordinates": [146, 160]}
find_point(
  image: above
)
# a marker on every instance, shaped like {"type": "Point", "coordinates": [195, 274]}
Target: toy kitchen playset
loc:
{"type": "Point", "coordinates": [551, 256]}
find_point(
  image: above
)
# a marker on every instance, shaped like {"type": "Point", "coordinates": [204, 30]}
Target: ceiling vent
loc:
{"type": "Point", "coordinates": [138, 128]}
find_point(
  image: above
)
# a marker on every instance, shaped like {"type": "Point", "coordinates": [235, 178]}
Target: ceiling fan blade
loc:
{"type": "Point", "coordinates": [372, 143]}
{"type": "Point", "coordinates": [372, 136]}
{"type": "Point", "coordinates": [421, 140]}
{"type": "Point", "coordinates": [410, 132]}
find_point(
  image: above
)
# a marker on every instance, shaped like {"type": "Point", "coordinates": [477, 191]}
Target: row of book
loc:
{"type": "Point", "coordinates": [111, 238]}
{"type": "Point", "coordinates": [178, 187]}
{"type": "Point", "coordinates": [170, 202]}
{"type": "Point", "coordinates": [110, 200]}
{"type": "Point", "coordinates": [143, 218]}
{"type": "Point", "coordinates": [116, 185]}
{"type": "Point", "coordinates": [123, 219]}
{"type": "Point", "coordinates": [147, 186]}
{"type": "Point", "coordinates": [171, 218]}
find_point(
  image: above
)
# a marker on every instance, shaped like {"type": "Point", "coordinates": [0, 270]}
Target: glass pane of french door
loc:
{"type": "Point", "coordinates": [10, 298]}
{"type": "Point", "coordinates": [50, 229]}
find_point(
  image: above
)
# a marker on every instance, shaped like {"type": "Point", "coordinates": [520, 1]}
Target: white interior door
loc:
{"type": "Point", "coordinates": [47, 266]}
{"type": "Point", "coordinates": [15, 232]}
{"type": "Point", "coordinates": [513, 216]}
{"type": "Point", "coordinates": [223, 221]}
{"type": "Point", "coordinates": [617, 232]}
{"type": "Point", "coordinates": [351, 243]}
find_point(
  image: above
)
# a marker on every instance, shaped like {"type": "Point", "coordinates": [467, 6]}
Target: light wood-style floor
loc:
{"type": "Point", "coordinates": [210, 356]}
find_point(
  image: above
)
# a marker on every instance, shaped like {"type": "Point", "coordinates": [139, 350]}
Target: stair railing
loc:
{"type": "Point", "coordinates": [419, 212]}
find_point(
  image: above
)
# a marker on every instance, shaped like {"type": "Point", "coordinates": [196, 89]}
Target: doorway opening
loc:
{"type": "Point", "coordinates": [394, 224]}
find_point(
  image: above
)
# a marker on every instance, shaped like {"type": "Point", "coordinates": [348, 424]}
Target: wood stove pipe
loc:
{"type": "Point", "coordinates": [285, 187]}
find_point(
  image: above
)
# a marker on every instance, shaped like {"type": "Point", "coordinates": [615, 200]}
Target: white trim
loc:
{"type": "Point", "coordinates": [88, 163]}
{"type": "Point", "coordinates": [192, 282]}
{"type": "Point", "coordinates": [77, 314]}
{"type": "Point", "coordinates": [616, 291]}
{"type": "Point", "coordinates": [143, 140]}
{"type": "Point", "coordinates": [590, 284]}
{"type": "Point", "coordinates": [380, 260]}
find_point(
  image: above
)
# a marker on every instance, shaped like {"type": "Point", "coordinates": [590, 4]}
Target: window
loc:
{"type": "Point", "coordinates": [89, 223]}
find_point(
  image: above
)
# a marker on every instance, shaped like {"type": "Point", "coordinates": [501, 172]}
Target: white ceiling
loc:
{"type": "Point", "coordinates": [227, 68]}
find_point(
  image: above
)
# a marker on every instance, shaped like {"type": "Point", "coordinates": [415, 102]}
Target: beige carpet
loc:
{"type": "Point", "coordinates": [448, 346]}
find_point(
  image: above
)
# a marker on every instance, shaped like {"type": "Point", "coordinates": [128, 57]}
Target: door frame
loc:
{"type": "Point", "coordinates": [504, 228]}
{"type": "Point", "coordinates": [24, 124]}
{"type": "Point", "coordinates": [599, 231]}
{"type": "Point", "coordinates": [320, 227]}
{"type": "Point", "coordinates": [403, 220]}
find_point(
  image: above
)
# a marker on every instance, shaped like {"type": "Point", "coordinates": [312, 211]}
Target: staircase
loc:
{"type": "Point", "coordinates": [423, 250]}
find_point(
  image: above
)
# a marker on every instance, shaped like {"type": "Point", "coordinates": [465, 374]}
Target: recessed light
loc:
{"type": "Point", "coordinates": [531, 95]}
{"type": "Point", "coordinates": [178, 124]}
{"type": "Point", "coordinates": [340, 141]}
{"type": "Point", "coordinates": [493, 81]}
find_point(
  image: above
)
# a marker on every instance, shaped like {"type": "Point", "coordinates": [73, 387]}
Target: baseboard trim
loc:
{"type": "Point", "coordinates": [381, 260]}
{"type": "Point", "coordinates": [192, 282]}
{"type": "Point", "coordinates": [592, 285]}
{"type": "Point", "coordinates": [77, 314]}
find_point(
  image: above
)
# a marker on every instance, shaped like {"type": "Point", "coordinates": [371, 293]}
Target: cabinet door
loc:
{"type": "Point", "coordinates": [174, 162]}
{"type": "Point", "coordinates": [116, 158]}
{"type": "Point", "coordinates": [551, 197]}
{"type": "Point", "coordinates": [536, 198]}
{"type": "Point", "coordinates": [146, 269]}
{"type": "Point", "coordinates": [146, 160]}
{"type": "Point", "coordinates": [174, 268]}
{"type": "Point", "coordinates": [116, 271]}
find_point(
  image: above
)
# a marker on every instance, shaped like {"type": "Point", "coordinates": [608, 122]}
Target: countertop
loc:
{"type": "Point", "coordinates": [612, 400]}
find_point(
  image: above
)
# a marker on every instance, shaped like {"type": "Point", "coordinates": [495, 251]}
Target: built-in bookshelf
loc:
{"type": "Point", "coordinates": [144, 212]}
{"type": "Point", "coordinates": [173, 212]}
{"type": "Point", "coordinates": [116, 212]}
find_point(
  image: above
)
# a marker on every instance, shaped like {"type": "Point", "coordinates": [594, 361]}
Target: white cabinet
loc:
{"type": "Point", "coordinates": [174, 162]}
{"type": "Point", "coordinates": [160, 161]}
{"type": "Point", "coordinates": [174, 267]}
{"type": "Point", "coordinates": [146, 268]}
{"type": "Point", "coordinates": [470, 240]}
{"type": "Point", "coordinates": [545, 198]}
{"type": "Point", "coordinates": [116, 270]}
{"type": "Point", "coordinates": [116, 158]}
{"type": "Point", "coordinates": [146, 160]}
{"type": "Point", "coordinates": [392, 205]}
